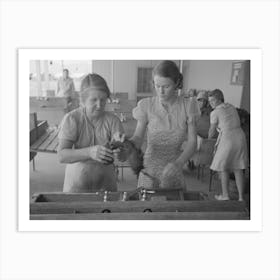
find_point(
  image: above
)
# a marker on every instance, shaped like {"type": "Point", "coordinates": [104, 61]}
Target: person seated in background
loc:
{"type": "Point", "coordinates": [202, 125]}
{"type": "Point", "coordinates": [84, 139]}
{"type": "Point", "coordinates": [231, 147]}
{"type": "Point", "coordinates": [203, 122]}
{"type": "Point", "coordinates": [66, 89]}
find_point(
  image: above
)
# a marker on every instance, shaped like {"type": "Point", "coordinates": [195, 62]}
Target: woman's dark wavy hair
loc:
{"type": "Point", "coordinates": [169, 69]}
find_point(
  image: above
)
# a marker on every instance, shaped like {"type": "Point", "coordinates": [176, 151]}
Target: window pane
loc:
{"type": "Point", "coordinates": [144, 79]}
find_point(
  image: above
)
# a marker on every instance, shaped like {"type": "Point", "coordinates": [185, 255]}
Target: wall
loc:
{"type": "Point", "coordinates": [125, 74]}
{"type": "Point", "coordinates": [213, 74]}
{"type": "Point", "coordinates": [125, 77]}
{"type": "Point", "coordinates": [199, 74]}
{"type": "Point", "coordinates": [245, 101]}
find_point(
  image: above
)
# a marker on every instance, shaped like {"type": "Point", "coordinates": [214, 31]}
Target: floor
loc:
{"type": "Point", "coordinates": [49, 175]}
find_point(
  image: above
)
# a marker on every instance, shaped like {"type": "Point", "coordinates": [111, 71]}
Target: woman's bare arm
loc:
{"type": "Point", "coordinates": [68, 155]}
{"type": "Point", "coordinates": [190, 146]}
{"type": "Point", "coordinates": [98, 153]}
{"type": "Point", "coordinates": [212, 131]}
{"type": "Point", "coordinates": [139, 133]}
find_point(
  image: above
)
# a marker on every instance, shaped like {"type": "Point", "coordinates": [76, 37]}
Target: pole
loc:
{"type": "Point", "coordinates": [181, 71]}
{"type": "Point", "coordinates": [39, 82]}
{"type": "Point", "coordinates": [112, 76]}
{"type": "Point", "coordinates": [46, 75]}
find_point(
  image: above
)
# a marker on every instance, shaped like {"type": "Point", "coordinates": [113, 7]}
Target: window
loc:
{"type": "Point", "coordinates": [144, 80]}
{"type": "Point", "coordinates": [44, 74]}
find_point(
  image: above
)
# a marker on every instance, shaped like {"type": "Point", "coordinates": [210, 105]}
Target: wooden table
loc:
{"type": "Point", "coordinates": [47, 143]}
{"type": "Point", "coordinates": [37, 130]}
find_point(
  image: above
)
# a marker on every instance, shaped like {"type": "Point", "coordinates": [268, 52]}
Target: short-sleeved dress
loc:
{"type": "Point", "coordinates": [166, 131]}
{"type": "Point", "coordinates": [231, 147]}
{"type": "Point", "coordinates": [89, 175]}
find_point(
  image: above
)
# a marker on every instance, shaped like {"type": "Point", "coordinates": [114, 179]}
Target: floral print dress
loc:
{"type": "Point", "coordinates": [166, 132]}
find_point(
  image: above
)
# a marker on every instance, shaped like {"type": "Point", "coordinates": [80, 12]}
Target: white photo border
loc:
{"type": "Point", "coordinates": [24, 57]}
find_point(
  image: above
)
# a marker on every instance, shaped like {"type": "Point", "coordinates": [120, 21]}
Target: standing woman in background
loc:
{"type": "Point", "coordinates": [231, 148]}
{"type": "Point", "coordinates": [169, 120]}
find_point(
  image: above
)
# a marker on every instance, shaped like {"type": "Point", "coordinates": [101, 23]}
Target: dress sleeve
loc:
{"type": "Point", "coordinates": [213, 117]}
{"type": "Point", "coordinates": [140, 112]}
{"type": "Point", "coordinates": [68, 128]}
{"type": "Point", "coordinates": [192, 109]}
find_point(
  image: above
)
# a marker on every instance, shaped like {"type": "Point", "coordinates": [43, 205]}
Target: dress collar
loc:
{"type": "Point", "coordinates": [223, 105]}
{"type": "Point", "coordinates": [171, 107]}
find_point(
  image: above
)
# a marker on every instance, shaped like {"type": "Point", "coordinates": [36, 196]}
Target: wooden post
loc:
{"type": "Point", "coordinates": [39, 82]}
{"type": "Point", "coordinates": [46, 75]}
{"type": "Point", "coordinates": [112, 76]}
{"type": "Point", "coordinates": [181, 65]}
{"type": "Point", "coordinates": [185, 72]}
{"type": "Point", "coordinates": [181, 71]}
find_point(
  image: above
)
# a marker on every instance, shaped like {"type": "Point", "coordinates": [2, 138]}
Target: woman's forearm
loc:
{"type": "Point", "coordinates": [139, 133]}
{"type": "Point", "coordinates": [187, 153]}
{"type": "Point", "coordinates": [137, 141]}
{"type": "Point", "coordinates": [212, 133]}
{"type": "Point", "coordinates": [73, 155]}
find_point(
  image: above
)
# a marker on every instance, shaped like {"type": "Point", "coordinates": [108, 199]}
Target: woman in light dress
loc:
{"type": "Point", "coordinates": [169, 120]}
{"type": "Point", "coordinates": [231, 148]}
{"type": "Point", "coordinates": [84, 137]}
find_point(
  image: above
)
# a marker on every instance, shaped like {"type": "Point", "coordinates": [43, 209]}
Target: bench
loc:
{"type": "Point", "coordinates": [37, 129]}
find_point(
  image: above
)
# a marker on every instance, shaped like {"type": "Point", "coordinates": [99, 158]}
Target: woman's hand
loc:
{"type": "Point", "coordinates": [171, 176]}
{"type": "Point", "coordinates": [101, 154]}
{"type": "Point", "coordinates": [121, 152]}
{"type": "Point", "coordinates": [171, 170]}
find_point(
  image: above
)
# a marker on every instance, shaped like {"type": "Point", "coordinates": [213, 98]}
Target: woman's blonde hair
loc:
{"type": "Point", "coordinates": [218, 94]}
{"type": "Point", "coordinates": [93, 81]}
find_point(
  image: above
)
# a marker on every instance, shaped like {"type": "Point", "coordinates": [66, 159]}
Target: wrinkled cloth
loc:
{"type": "Point", "coordinates": [166, 131]}
{"type": "Point", "coordinates": [89, 175]}
{"type": "Point", "coordinates": [231, 147]}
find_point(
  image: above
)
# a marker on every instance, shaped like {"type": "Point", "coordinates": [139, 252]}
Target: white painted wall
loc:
{"type": "Point", "coordinates": [126, 77]}
{"type": "Point", "coordinates": [199, 74]}
{"type": "Point", "coordinates": [212, 74]}
{"type": "Point", "coordinates": [103, 68]}
{"type": "Point", "coordinates": [125, 74]}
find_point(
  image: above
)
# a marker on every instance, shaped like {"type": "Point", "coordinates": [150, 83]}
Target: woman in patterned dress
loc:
{"type": "Point", "coordinates": [169, 120]}
{"type": "Point", "coordinates": [231, 148]}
